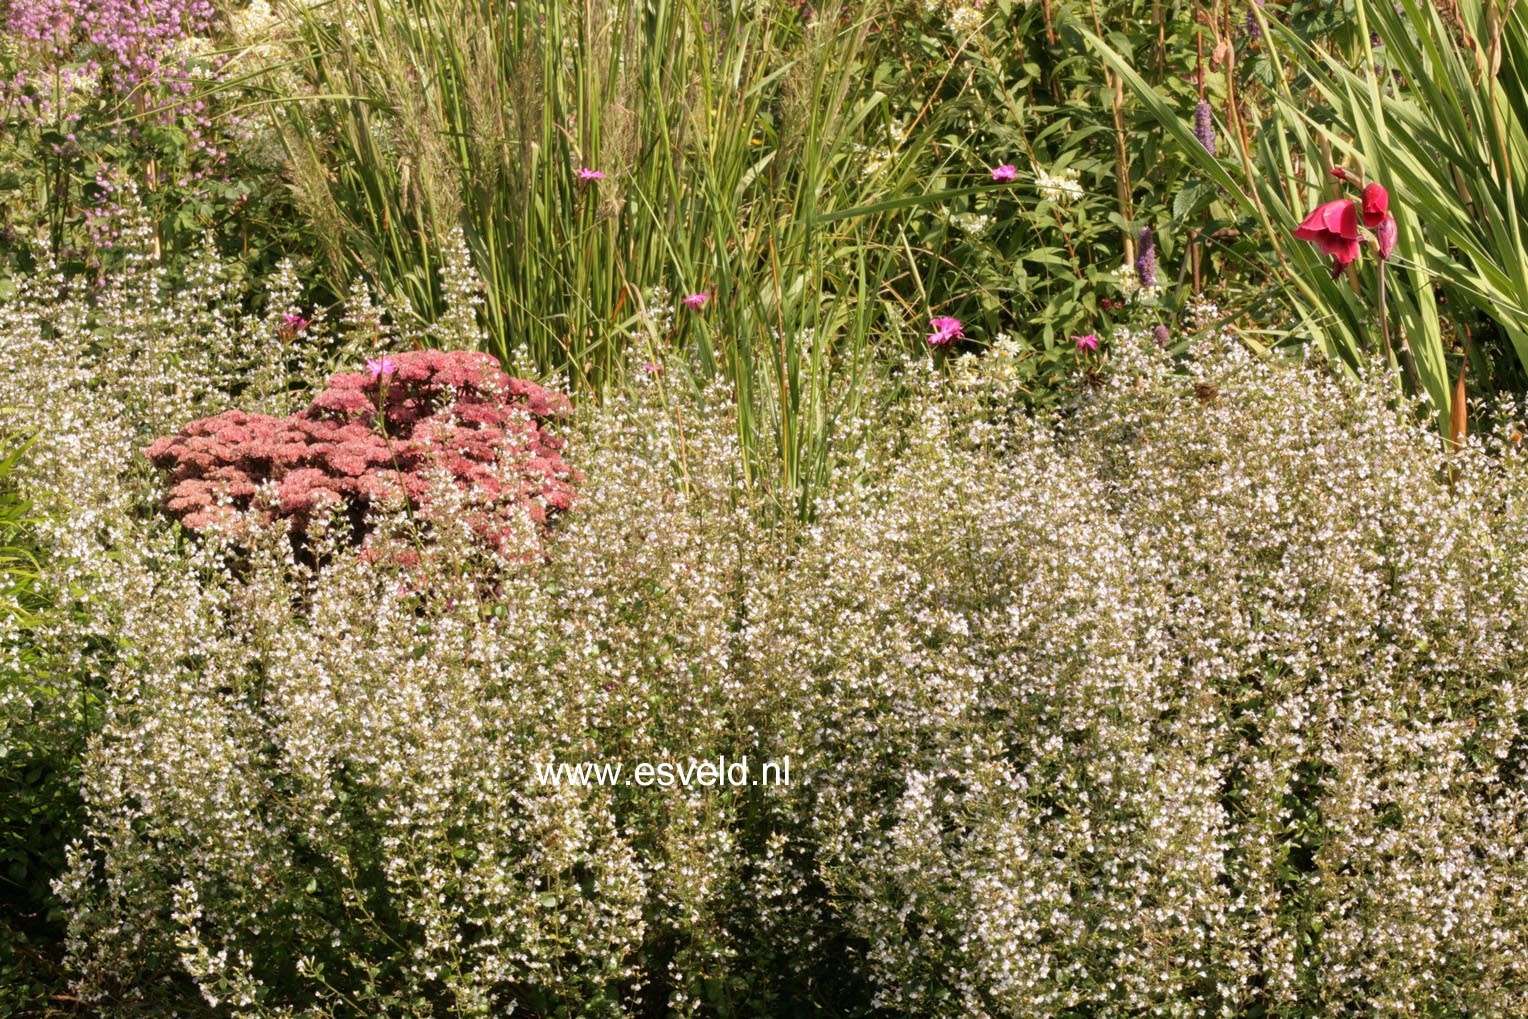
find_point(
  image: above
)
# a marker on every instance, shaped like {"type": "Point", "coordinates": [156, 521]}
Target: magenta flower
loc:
{"type": "Point", "coordinates": [946, 331]}
{"type": "Point", "coordinates": [1376, 205]}
{"type": "Point", "coordinates": [1376, 209]}
{"type": "Point", "coordinates": [652, 369]}
{"type": "Point", "coordinates": [1088, 341]}
{"type": "Point", "coordinates": [294, 324]}
{"type": "Point", "coordinates": [381, 367]}
{"type": "Point", "coordinates": [1333, 228]}
{"type": "Point", "coordinates": [584, 173]}
{"type": "Point", "coordinates": [696, 301]}
{"type": "Point", "coordinates": [1005, 174]}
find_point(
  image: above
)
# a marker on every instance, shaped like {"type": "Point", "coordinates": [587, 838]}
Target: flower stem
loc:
{"type": "Point", "coordinates": [1384, 319]}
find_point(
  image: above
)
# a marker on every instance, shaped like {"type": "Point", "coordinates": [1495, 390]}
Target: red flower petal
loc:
{"type": "Point", "coordinates": [1376, 205]}
{"type": "Point", "coordinates": [1341, 218]}
{"type": "Point", "coordinates": [1333, 228]}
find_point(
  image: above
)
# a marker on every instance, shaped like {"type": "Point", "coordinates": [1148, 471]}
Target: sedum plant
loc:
{"type": "Point", "coordinates": [377, 437]}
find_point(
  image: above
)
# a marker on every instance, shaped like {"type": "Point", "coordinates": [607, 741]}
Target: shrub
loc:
{"type": "Point", "coordinates": [110, 103]}
{"type": "Point", "coordinates": [94, 373]}
{"type": "Point", "coordinates": [1209, 702]}
{"type": "Point", "coordinates": [40, 807]}
{"type": "Point", "coordinates": [1197, 702]}
{"type": "Point", "coordinates": [376, 438]}
{"type": "Point", "coordinates": [1008, 82]}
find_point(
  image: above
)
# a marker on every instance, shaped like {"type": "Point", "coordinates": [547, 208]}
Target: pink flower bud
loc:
{"type": "Point", "coordinates": [1385, 235]}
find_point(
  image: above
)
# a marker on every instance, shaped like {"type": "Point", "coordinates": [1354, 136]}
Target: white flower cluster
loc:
{"type": "Point", "coordinates": [972, 224]}
{"type": "Point", "coordinates": [1063, 188]}
{"type": "Point", "coordinates": [1129, 283]}
{"type": "Point", "coordinates": [255, 24]}
{"type": "Point", "coordinates": [657, 311]}
{"type": "Point", "coordinates": [995, 372]}
{"type": "Point", "coordinates": [965, 19]}
{"type": "Point", "coordinates": [1197, 756]}
{"type": "Point", "coordinates": [877, 160]}
{"type": "Point", "coordinates": [463, 293]}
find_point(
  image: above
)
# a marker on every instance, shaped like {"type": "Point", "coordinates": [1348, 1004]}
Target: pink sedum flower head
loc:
{"type": "Point", "coordinates": [1087, 341]}
{"type": "Point", "coordinates": [381, 366]}
{"type": "Point", "coordinates": [696, 301]}
{"type": "Point", "coordinates": [1333, 229]}
{"type": "Point", "coordinates": [946, 331]}
{"type": "Point", "coordinates": [584, 173]}
{"type": "Point", "coordinates": [452, 418]}
{"type": "Point", "coordinates": [1005, 174]}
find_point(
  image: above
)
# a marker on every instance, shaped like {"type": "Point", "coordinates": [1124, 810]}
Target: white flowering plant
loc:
{"type": "Point", "coordinates": [1187, 701]}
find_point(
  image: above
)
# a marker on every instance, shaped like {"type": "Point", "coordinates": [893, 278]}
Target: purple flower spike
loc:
{"type": "Point", "coordinates": [1146, 259]}
{"type": "Point", "coordinates": [1204, 126]}
{"type": "Point", "coordinates": [1254, 29]}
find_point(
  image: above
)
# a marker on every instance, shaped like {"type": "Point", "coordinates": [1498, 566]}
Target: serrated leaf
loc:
{"type": "Point", "coordinates": [1191, 197]}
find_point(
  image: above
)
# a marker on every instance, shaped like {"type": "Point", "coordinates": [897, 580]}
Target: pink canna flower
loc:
{"type": "Point", "coordinates": [1333, 228]}
{"type": "Point", "coordinates": [1005, 174]}
{"type": "Point", "coordinates": [946, 331]}
{"type": "Point", "coordinates": [1376, 209]}
{"type": "Point", "coordinates": [1087, 341]}
{"type": "Point", "coordinates": [695, 301]}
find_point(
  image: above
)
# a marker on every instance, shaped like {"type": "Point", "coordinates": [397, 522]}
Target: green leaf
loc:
{"type": "Point", "coordinates": [1191, 198]}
